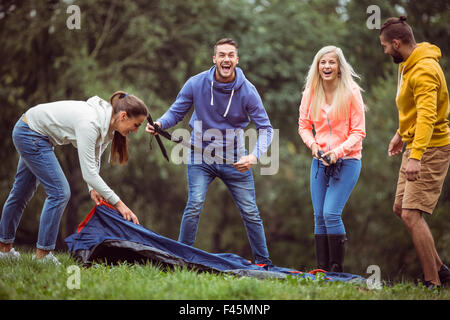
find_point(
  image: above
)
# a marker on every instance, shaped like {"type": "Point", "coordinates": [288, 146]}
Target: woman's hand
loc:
{"type": "Point", "coordinates": [96, 197]}
{"type": "Point", "coordinates": [315, 153]}
{"type": "Point", "coordinates": [315, 150]}
{"type": "Point", "coordinates": [126, 212]}
{"type": "Point", "coordinates": [333, 158]}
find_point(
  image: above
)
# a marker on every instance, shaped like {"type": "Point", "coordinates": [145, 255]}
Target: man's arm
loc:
{"type": "Point", "coordinates": [425, 85]}
{"type": "Point", "coordinates": [179, 108]}
{"type": "Point", "coordinates": [259, 116]}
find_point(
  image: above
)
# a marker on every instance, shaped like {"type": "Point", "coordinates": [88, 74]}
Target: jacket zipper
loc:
{"type": "Point", "coordinates": [329, 126]}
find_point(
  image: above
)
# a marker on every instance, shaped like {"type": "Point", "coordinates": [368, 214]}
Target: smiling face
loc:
{"type": "Point", "coordinates": [329, 66]}
{"type": "Point", "coordinates": [125, 125]}
{"type": "Point", "coordinates": [225, 59]}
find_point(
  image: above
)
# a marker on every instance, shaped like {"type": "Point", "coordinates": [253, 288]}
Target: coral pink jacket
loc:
{"type": "Point", "coordinates": [342, 136]}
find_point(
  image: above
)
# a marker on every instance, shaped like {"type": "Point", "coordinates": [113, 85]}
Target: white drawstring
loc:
{"type": "Point", "coordinates": [229, 103]}
{"type": "Point", "coordinates": [400, 80]}
{"type": "Point", "coordinates": [212, 100]}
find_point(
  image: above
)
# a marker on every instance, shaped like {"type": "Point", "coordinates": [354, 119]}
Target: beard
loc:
{"type": "Point", "coordinates": [397, 57]}
{"type": "Point", "coordinates": [221, 74]}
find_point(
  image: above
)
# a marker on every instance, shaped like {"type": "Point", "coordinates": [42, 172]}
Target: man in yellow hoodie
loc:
{"type": "Point", "coordinates": [423, 107]}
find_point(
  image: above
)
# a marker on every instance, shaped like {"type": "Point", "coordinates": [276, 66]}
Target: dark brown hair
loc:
{"type": "Point", "coordinates": [225, 41]}
{"type": "Point", "coordinates": [397, 28]}
{"type": "Point", "coordinates": [134, 107]}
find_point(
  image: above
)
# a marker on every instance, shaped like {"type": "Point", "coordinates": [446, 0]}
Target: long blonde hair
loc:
{"type": "Point", "coordinates": [314, 86]}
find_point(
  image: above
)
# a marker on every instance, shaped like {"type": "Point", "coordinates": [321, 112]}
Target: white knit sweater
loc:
{"type": "Point", "coordinates": [84, 124]}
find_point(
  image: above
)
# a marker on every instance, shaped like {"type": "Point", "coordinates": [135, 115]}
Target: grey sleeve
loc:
{"type": "Point", "coordinates": [87, 135]}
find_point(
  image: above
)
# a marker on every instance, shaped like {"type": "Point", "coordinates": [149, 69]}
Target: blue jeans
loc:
{"type": "Point", "coordinates": [37, 165]}
{"type": "Point", "coordinates": [242, 189]}
{"type": "Point", "coordinates": [330, 194]}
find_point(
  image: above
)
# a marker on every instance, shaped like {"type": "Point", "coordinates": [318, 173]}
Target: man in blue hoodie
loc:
{"type": "Point", "coordinates": [223, 101]}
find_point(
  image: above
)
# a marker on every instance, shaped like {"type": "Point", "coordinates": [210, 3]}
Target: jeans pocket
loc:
{"type": "Point", "coordinates": [42, 143]}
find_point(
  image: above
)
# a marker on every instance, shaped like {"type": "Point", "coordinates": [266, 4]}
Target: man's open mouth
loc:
{"type": "Point", "coordinates": [226, 68]}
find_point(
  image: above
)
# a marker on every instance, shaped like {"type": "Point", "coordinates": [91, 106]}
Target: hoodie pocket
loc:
{"type": "Point", "coordinates": [411, 131]}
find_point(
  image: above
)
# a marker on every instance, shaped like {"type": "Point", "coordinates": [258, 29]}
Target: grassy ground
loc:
{"type": "Point", "coordinates": [32, 280]}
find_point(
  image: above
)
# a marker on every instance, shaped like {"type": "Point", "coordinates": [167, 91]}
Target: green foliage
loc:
{"type": "Point", "coordinates": [150, 48]}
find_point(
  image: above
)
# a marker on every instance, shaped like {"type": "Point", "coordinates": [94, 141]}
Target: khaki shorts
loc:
{"type": "Point", "coordinates": [423, 194]}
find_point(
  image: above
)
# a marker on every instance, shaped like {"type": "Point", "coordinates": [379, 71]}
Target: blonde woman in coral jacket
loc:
{"type": "Point", "coordinates": [332, 105]}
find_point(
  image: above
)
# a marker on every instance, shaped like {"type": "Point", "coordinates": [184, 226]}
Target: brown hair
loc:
{"type": "Point", "coordinates": [134, 107]}
{"type": "Point", "coordinates": [225, 41]}
{"type": "Point", "coordinates": [397, 28]}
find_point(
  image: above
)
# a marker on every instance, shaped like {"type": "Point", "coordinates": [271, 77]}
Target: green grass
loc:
{"type": "Point", "coordinates": [32, 280]}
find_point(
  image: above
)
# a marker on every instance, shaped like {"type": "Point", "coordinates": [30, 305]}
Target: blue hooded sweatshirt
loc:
{"type": "Point", "coordinates": [221, 107]}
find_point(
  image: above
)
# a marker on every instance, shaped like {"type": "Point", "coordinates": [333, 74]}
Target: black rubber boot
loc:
{"type": "Point", "coordinates": [336, 243]}
{"type": "Point", "coordinates": [323, 257]}
{"type": "Point", "coordinates": [444, 276]}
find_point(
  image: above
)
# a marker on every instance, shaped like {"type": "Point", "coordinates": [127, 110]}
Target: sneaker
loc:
{"type": "Point", "coordinates": [11, 254]}
{"type": "Point", "coordinates": [444, 275]}
{"type": "Point", "coordinates": [48, 258]}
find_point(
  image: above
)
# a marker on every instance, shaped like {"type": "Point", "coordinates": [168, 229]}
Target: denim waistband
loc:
{"type": "Point", "coordinates": [25, 129]}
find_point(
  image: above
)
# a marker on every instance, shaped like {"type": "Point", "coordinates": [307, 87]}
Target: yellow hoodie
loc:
{"type": "Point", "coordinates": [422, 101]}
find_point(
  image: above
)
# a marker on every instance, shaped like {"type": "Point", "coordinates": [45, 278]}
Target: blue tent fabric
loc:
{"type": "Point", "coordinates": [106, 235]}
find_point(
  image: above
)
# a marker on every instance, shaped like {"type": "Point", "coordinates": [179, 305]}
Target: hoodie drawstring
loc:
{"type": "Point", "coordinates": [229, 101]}
{"type": "Point", "coordinates": [212, 99]}
{"type": "Point", "coordinates": [400, 80]}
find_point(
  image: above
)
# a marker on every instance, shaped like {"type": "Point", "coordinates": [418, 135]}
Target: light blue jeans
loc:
{"type": "Point", "coordinates": [242, 189]}
{"type": "Point", "coordinates": [330, 194]}
{"type": "Point", "coordinates": [37, 165]}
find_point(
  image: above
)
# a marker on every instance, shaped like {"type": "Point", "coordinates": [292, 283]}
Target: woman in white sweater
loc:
{"type": "Point", "coordinates": [90, 126]}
